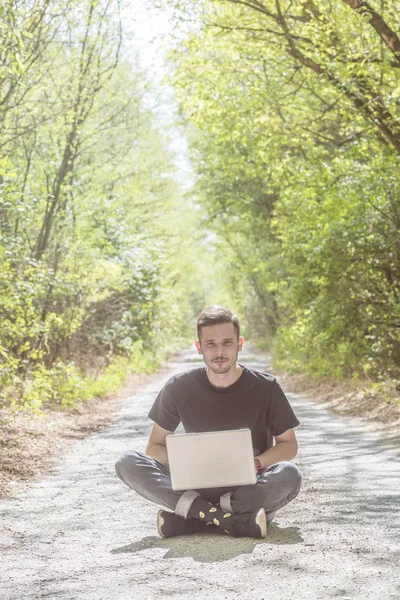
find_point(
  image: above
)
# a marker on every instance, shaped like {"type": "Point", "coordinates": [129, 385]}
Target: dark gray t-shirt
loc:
{"type": "Point", "coordinates": [255, 401]}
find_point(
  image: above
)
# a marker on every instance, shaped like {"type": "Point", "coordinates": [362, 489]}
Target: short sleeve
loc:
{"type": "Point", "coordinates": [280, 415]}
{"type": "Point", "coordinates": [164, 412]}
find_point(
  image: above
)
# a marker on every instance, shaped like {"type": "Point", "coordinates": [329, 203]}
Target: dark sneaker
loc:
{"type": "Point", "coordinates": [170, 525]}
{"type": "Point", "coordinates": [250, 525]}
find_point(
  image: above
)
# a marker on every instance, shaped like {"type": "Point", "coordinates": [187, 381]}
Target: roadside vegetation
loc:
{"type": "Point", "coordinates": [97, 241]}
{"type": "Point", "coordinates": [293, 115]}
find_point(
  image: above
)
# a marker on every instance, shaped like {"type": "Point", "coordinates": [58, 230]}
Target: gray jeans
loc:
{"type": "Point", "coordinates": [275, 487]}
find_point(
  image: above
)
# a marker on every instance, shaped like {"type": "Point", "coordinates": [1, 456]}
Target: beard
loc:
{"type": "Point", "coordinates": [224, 367]}
{"type": "Point", "coordinates": [220, 369]}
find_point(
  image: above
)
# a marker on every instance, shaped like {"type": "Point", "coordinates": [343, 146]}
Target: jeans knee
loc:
{"type": "Point", "coordinates": [127, 463]}
{"type": "Point", "coordinates": [292, 476]}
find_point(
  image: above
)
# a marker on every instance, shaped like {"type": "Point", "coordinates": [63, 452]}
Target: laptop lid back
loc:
{"type": "Point", "coordinates": [211, 459]}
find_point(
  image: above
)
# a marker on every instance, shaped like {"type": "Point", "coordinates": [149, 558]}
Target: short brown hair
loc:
{"type": "Point", "coordinates": [212, 315]}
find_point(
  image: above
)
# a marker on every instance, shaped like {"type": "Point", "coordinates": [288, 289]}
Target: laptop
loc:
{"type": "Point", "coordinates": [211, 459]}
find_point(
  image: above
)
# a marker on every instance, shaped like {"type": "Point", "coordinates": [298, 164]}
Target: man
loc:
{"type": "Point", "coordinates": [222, 395]}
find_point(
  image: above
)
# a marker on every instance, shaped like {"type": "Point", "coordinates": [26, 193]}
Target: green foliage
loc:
{"type": "Point", "coordinates": [64, 385]}
{"type": "Point", "coordinates": [293, 117]}
{"type": "Point", "coordinates": [96, 239]}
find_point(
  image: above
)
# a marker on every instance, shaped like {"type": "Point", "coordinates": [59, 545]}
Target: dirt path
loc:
{"type": "Point", "coordinates": [80, 534]}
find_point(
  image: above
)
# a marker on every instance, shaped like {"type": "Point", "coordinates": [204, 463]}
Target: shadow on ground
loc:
{"type": "Point", "coordinates": [209, 548]}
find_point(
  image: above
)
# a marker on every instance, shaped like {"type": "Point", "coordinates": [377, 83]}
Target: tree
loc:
{"type": "Point", "coordinates": [92, 218]}
{"type": "Point", "coordinates": [298, 135]}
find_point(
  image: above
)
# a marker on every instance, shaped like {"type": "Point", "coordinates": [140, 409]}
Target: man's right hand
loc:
{"type": "Point", "coordinates": [257, 464]}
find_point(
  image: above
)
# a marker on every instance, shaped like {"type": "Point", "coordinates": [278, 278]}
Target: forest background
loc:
{"type": "Point", "coordinates": [291, 111]}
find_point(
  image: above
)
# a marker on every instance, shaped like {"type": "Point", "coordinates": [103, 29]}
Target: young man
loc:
{"type": "Point", "coordinates": [222, 395]}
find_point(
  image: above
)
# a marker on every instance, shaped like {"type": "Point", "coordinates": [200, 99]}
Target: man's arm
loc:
{"type": "Point", "coordinates": [156, 446]}
{"type": "Point", "coordinates": [285, 449]}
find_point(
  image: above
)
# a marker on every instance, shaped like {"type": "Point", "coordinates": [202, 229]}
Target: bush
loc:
{"type": "Point", "coordinates": [64, 385]}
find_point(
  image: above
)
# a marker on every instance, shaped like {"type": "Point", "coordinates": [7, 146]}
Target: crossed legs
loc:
{"type": "Point", "coordinates": [275, 487]}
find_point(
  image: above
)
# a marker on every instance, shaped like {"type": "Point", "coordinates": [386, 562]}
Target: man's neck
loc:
{"type": "Point", "coordinates": [224, 380]}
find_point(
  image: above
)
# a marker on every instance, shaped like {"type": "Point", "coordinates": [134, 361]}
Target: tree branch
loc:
{"type": "Point", "coordinates": [376, 21]}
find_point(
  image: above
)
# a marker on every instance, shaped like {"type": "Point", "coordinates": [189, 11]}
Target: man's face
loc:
{"type": "Point", "coordinates": [219, 346]}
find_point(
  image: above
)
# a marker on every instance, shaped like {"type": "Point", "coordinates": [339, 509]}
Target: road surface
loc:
{"type": "Point", "coordinates": [81, 534]}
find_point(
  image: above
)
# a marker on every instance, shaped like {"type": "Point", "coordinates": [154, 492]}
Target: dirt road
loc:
{"type": "Point", "coordinates": [80, 534]}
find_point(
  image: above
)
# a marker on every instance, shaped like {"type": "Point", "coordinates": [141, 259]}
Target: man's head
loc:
{"type": "Point", "coordinates": [219, 339]}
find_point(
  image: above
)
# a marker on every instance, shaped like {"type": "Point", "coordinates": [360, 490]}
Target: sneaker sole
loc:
{"type": "Point", "coordinates": [261, 520]}
{"type": "Point", "coordinates": [160, 523]}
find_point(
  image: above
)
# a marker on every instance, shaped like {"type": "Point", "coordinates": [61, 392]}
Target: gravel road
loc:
{"type": "Point", "coordinates": [80, 534]}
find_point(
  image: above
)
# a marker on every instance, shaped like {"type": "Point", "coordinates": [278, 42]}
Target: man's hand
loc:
{"type": "Point", "coordinates": [257, 464]}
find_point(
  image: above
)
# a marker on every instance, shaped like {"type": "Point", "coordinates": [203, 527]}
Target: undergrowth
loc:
{"type": "Point", "coordinates": [64, 384]}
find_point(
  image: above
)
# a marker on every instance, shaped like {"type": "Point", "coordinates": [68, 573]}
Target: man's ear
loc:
{"type": "Point", "coordinates": [241, 340]}
{"type": "Point", "coordinates": [197, 344]}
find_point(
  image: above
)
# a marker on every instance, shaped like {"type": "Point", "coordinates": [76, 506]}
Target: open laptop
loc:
{"type": "Point", "coordinates": [211, 459]}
